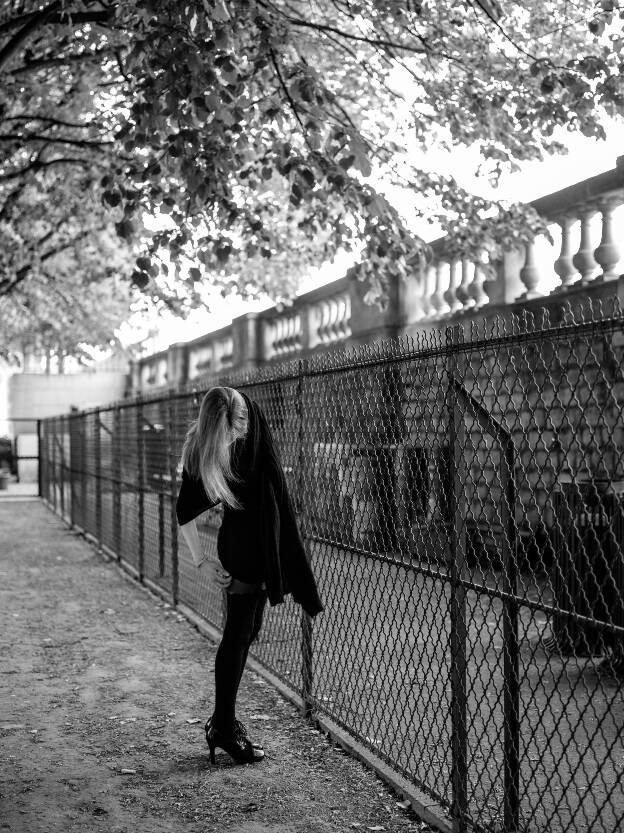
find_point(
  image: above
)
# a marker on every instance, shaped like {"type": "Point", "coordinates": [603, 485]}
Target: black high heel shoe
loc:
{"type": "Point", "coordinates": [238, 727]}
{"type": "Point", "coordinates": [237, 745]}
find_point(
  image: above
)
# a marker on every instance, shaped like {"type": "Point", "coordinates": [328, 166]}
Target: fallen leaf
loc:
{"type": "Point", "coordinates": [127, 771]}
{"type": "Point", "coordinates": [404, 805]}
{"type": "Point", "coordinates": [376, 827]}
{"type": "Point", "coordinates": [192, 720]}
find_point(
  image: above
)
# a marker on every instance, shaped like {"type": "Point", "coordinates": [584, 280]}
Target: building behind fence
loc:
{"type": "Point", "coordinates": [585, 220]}
{"type": "Point", "coordinates": [461, 498]}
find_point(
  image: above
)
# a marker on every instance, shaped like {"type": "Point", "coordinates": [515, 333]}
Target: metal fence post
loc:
{"type": "Point", "coordinates": [307, 647]}
{"type": "Point", "coordinates": [97, 450]}
{"type": "Point", "coordinates": [141, 488]}
{"type": "Point", "coordinates": [458, 635]}
{"type": "Point", "coordinates": [116, 478]}
{"type": "Point", "coordinates": [161, 534]}
{"type": "Point", "coordinates": [61, 442]}
{"type": "Point", "coordinates": [54, 473]}
{"type": "Point", "coordinates": [172, 496]}
{"type": "Point", "coordinates": [71, 426]}
{"type": "Point", "coordinates": [83, 470]}
{"type": "Point", "coordinates": [39, 459]}
{"type": "Point", "coordinates": [511, 646]}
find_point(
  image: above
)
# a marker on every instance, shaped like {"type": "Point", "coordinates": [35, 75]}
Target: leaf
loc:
{"type": "Point", "coordinates": [140, 279]}
{"type": "Point", "coordinates": [307, 176]}
{"type": "Point", "coordinates": [223, 253]}
{"type": "Point", "coordinates": [194, 273]}
{"type": "Point", "coordinates": [113, 198]}
{"type": "Point", "coordinates": [361, 157]}
{"type": "Point", "coordinates": [220, 14]}
{"type": "Point", "coordinates": [125, 228]}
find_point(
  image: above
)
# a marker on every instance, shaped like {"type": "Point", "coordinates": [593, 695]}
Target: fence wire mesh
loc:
{"type": "Point", "coordinates": [462, 501]}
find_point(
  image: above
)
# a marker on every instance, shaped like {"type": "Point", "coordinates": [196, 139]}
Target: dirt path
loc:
{"type": "Point", "coordinates": [98, 678]}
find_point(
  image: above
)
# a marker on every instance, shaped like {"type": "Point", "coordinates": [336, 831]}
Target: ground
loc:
{"type": "Point", "coordinates": [104, 691]}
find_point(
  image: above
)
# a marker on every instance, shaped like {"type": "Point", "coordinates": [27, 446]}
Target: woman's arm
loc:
{"type": "Point", "coordinates": [191, 536]}
{"type": "Point", "coordinates": [215, 570]}
{"type": "Point", "coordinates": [192, 499]}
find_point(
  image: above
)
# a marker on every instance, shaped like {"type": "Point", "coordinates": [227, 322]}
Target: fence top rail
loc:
{"type": "Point", "coordinates": [552, 322]}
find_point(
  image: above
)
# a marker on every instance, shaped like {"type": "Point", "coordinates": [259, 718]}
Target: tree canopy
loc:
{"type": "Point", "coordinates": [247, 140]}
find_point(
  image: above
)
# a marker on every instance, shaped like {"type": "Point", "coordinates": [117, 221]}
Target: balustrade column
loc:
{"type": "Point", "coordinates": [454, 281]}
{"type": "Point", "coordinates": [476, 290]}
{"type": "Point", "coordinates": [328, 320]}
{"type": "Point", "coordinates": [607, 254]}
{"type": "Point", "coordinates": [529, 274]}
{"type": "Point", "coordinates": [584, 258]}
{"type": "Point", "coordinates": [437, 299]}
{"type": "Point", "coordinates": [564, 265]}
{"type": "Point", "coordinates": [425, 300]}
{"type": "Point", "coordinates": [466, 301]}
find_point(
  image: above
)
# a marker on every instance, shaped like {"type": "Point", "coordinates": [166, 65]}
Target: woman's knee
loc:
{"type": "Point", "coordinates": [240, 621]}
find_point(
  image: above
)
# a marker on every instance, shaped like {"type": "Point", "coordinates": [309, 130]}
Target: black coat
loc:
{"type": "Point", "coordinates": [260, 542]}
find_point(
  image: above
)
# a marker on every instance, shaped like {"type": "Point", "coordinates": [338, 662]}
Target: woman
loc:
{"type": "Point", "coordinates": [229, 456]}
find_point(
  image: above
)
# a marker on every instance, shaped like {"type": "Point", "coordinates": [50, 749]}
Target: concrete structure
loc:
{"type": "Point", "coordinates": [33, 396]}
{"type": "Point", "coordinates": [446, 291]}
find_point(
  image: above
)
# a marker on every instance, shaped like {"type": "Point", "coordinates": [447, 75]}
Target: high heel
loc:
{"type": "Point", "coordinates": [238, 746]}
{"type": "Point", "coordinates": [238, 727]}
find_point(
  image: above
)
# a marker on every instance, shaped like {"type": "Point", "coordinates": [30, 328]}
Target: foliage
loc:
{"type": "Point", "coordinates": [258, 128]}
{"type": "Point", "coordinates": [59, 264]}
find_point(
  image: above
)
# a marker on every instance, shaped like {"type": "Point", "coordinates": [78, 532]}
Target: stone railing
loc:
{"type": "Point", "coordinates": [584, 262]}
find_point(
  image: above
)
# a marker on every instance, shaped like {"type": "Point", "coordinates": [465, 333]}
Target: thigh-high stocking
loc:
{"type": "Point", "coordinates": [242, 625]}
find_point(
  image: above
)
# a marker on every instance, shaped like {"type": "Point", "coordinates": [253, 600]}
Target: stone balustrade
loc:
{"type": "Point", "coordinates": [582, 219]}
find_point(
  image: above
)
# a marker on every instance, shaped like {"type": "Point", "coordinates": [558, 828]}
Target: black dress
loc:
{"type": "Point", "coordinates": [260, 542]}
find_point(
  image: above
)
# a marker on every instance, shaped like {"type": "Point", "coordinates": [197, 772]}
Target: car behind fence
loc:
{"type": "Point", "coordinates": [461, 497]}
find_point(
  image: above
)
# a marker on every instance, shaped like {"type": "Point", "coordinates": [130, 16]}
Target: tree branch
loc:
{"type": "Point", "coordinates": [55, 18]}
{"type": "Point", "coordinates": [81, 143]}
{"type": "Point", "coordinates": [7, 285]}
{"type": "Point", "coordinates": [286, 93]}
{"type": "Point", "coordinates": [324, 27]}
{"type": "Point", "coordinates": [37, 164]}
{"type": "Point", "coordinates": [27, 30]}
{"type": "Point", "coordinates": [33, 66]}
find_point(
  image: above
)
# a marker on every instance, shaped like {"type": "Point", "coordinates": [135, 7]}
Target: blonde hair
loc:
{"type": "Point", "coordinates": [207, 448]}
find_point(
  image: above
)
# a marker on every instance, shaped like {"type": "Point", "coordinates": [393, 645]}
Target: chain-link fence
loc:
{"type": "Point", "coordinates": [462, 501]}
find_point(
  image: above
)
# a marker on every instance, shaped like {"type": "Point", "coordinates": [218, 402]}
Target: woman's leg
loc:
{"type": "Point", "coordinates": [259, 612]}
{"type": "Point", "coordinates": [240, 629]}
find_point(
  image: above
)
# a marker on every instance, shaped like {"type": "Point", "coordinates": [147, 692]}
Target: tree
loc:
{"type": "Point", "coordinates": [259, 127]}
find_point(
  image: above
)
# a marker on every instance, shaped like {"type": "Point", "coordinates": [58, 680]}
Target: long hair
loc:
{"type": "Point", "coordinates": [207, 448]}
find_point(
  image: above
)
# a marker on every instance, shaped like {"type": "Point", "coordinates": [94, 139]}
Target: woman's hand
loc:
{"type": "Point", "coordinates": [216, 573]}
